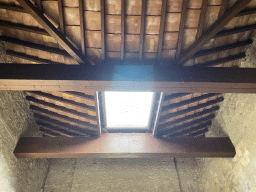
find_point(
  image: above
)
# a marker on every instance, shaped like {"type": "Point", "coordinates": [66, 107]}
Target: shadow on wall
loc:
{"type": "Point", "coordinates": [18, 175]}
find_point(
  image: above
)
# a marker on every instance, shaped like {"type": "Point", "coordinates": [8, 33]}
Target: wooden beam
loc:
{"type": "Point", "coordinates": [114, 145]}
{"type": "Point", "coordinates": [222, 48]}
{"type": "Point", "coordinates": [212, 30]}
{"type": "Point", "coordinates": [175, 96]}
{"type": "Point", "coordinates": [174, 129]}
{"type": "Point", "coordinates": [202, 18]}
{"type": "Point", "coordinates": [61, 17]}
{"type": "Point", "coordinates": [12, 7]}
{"type": "Point", "coordinates": [29, 57]}
{"type": "Point", "coordinates": [157, 78]}
{"type": "Point", "coordinates": [142, 27]}
{"type": "Point", "coordinates": [161, 31]}
{"type": "Point", "coordinates": [34, 45]}
{"type": "Point", "coordinates": [191, 130]}
{"type": "Point", "coordinates": [122, 29]}
{"type": "Point", "coordinates": [55, 33]}
{"type": "Point", "coordinates": [158, 112]}
{"type": "Point", "coordinates": [187, 102]}
{"type": "Point", "coordinates": [82, 27]}
{"type": "Point", "coordinates": [22, 27]}
{"type": "Point", "coordinates": [235, 30]}
{"type": "Point", "coordinates": [190, 109]}
{"type": "Point", "coordinates": [103, 38]}
{"type": "Point", "coordinates": [222, 60]}
{"type": "Point", "coordinates": [188, 117]}
{"type": "Point", "coordinates": [98, 114]}
{"type": "Point", "coordinates": [182, 27]}
{"type": "Point", "coordinates": [246, 12]}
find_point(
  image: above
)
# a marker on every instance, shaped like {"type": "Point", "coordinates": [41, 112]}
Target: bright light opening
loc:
{"type": "Point", "coordinates": [128, 110]}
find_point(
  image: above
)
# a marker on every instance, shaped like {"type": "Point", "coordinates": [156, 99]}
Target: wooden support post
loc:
{"type": "Point", "coordinates": [123, 145]}
{"type": "Point", "coordinates": [122, 29]}
{"type": "Point", "coordinates": [103, 39]}
{"type": "Point", "coordinates": [161, 32]}
{"type": "Point", "coordinates": [142, 28]}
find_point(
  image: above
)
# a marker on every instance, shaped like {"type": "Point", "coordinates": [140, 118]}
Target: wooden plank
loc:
{"type": "Point", "coordinates": [30, 57]}
{"type": "Point", "coordinates": [34, 46]}
{"type": "Point", "coordinates": [122, 28]}
{"type": "Point", "coordinates": [61, 17]}
{"type": "Point", "coordinates": [222, 60]}
{"type": "Point", "coordinates": [212, 30]}
{"type": "Point", "coordinates": [142, 27]}
{"type": "Point", "coordinates": [191, 131]}
{"type": "Point", "coordinates": [181, 28]}
{"type": "Point", "coordinates": [227, 32]}
{"type": "Point", "coordinates": [178, 128]}
{"type": "Point", "coordinates": [202, 18]}
{"type": "Point", "coordinates": [187, 102]}
{"type": "Point", "coordinates": [161, 31]}
{"type": "Point", "coordinates": [163, 118]}
{"type": "Point", "coordinates": [12, 7]}
{"type": "Point", "coordinates": [222, 48]}
{"type": "Point", "coordinates": [22, 27]}
{"type": "Point", "coordinates": [82, 27]}
{"type": "Point", "coordinates": [55, 33]}
{"type": "Point", "coordinates": [98, 114]}
{"type": "Point", "coordinates": [66, 125]}
{"type": "Point", "coordinates": [114, 145]}
{"type": "Point", "coordinates": [103, 38]}
{"type": "Point", "coordinates": [246, 12]}
{"type": "Point", "coordinates": [158, 112]}
{"type": "Point", "coordinates": [188, 117]}
{"type": "Point", "coordinates": [174, 96]}
{"type": "Point", "coordinates": [164, 78]}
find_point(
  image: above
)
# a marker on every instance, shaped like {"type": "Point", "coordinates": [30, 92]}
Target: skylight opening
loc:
{"type": "Point", "coordinates": [128, 110]}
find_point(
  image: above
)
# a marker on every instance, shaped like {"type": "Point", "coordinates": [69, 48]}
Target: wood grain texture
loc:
{"type": "Point", "coordinates": [114, 145]}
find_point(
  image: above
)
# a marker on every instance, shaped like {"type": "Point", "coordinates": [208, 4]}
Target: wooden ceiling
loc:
{"type": "Point", "coordinates": [98, 32]}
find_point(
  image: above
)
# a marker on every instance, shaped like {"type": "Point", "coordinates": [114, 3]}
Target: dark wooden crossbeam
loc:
{"type": "Point", "coordinates": [187, 102]}
{"type": "Point", "coordinates": [61, 17]}
{"type": "Point", "coordinates": [191, 130]}
{"type": "Point", "coordinates": [53, 31]}
{"type": "Point", "coordinates": [24, 27]}
{"type": "Point", "coordinates": [202, 18]}
{"type": "Point", "coordinates": [190, 109]}
{"type": "Point", "coordinates": [235, 30]}
{"type": "Point", "coordinates": [114, 145]}
{"type": "Point", "coordinates": [66, 125]}
{"type": "Point", "coordinates": [222, 48]}
{"type": "Point", "coordinates": [123, 5]}
{"type": "Point", "coordinates": [54, 99]}
{"type": "Point", "coordinates": [60, 108]}
{"type": "Point", "coordinates": [246, 12]}
{"type": "Point", "coordinates": [175, 96]}
{"type": "Point", "coordinates": [49, 132]}
{"type": "Point", "coordinates": [178, 128]}
{"type": "Point", "coordinates": [158, 78]}
{"type": "Point", "coordinates": [212, 30]}
{"type": "Point", "coordinates": [12, 7]}
{"type": "Point", "coordinates": [34, 45]}
{"type": "Point", "coordinates": [30, 57]}
{"type": "Point", "coordinates": [222, 60]}
{"type": "Point", "coordinates": [188, 117]}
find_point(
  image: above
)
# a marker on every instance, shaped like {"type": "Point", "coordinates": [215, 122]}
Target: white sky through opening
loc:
{"type": "Point", "coordinates": [128, 109]}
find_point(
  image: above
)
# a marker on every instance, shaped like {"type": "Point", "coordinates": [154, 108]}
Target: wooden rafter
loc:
{"type": "Point", "coordinates": [61, 16]}
{"type": "Point", "coordinates": [22, 27]}
{"type": "Point", "coordinates": [82, 27]}
{"type": "Point", "coordinates": [123, 146]}
{"type": "Point", "coordinates": [161, 31]}
{"type": "Point", "coordinates": [122, 29]}
{"type": "Point", "coordinates": [202, 18]}
{"type": "Point", "coordinates": [103, 38]}
{"type": "Point", "coordinates": [182, 27]}
{"type": "Point", "coordinates": [142, 28]}
{"type": "Point", "coordinates": [168, 79]}
{"type": "Point", "coordinates": [55, 33]}
{"type": "Point", "coordinates": [213, 30]}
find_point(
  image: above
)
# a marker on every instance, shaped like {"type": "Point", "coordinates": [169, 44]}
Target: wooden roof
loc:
{"type": "Point", "coordinates": [98, 32]}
